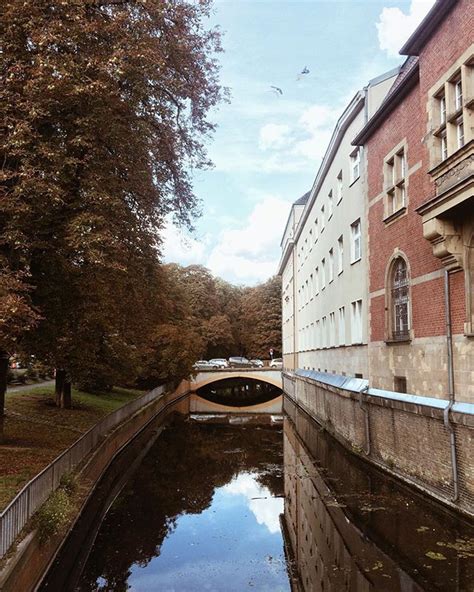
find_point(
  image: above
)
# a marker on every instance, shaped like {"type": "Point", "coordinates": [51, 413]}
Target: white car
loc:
{"type": "Point", "coordinates": [276, 363]}
{"type": "Point", "coordinates": [257, 363]}
{"type": "Point", "coordinates": [219, 363]}
{"type": "Point", "coordinates": [202, 365]}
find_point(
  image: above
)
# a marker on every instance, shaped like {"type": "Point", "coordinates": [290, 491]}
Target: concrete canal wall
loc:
{"type": "Point", "coordinates": [30, 558]}
{"type": "Point", "coordinates": [406, 435]}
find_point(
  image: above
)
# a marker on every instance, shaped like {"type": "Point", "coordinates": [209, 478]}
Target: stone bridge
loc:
{"type": "Point", "coordinates": [236, 390]}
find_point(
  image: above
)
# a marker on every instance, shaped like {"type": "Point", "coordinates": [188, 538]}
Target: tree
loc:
{"type": "Point", "coordinates": [105, 108]}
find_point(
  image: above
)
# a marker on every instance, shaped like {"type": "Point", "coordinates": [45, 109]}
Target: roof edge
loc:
{"type": "Point", "coordinates": [388, 106]}
{"type": "Point", "coordinates": [426, 28]}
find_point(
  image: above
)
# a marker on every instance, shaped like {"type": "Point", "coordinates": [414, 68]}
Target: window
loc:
{"type": "Point", "coordinates": [311, 337]}
{"type": "Point", "coordinates": [339, 187]}
{"type": "Point", "coordinates": [321, 222]}
{"type": "Point", "coordinates": [316, 230]}
{"type": "Point", "coordinates": [340, 254]}
{"type": "Point", "coordinates": [356, 247]}
{"type": "Point", "coordinates": [330, 205]}
{"type": "Point", "coordinates": [442, 109]}
{"type": "Point", "coordinates": [399, 305]}
{"type": "Point", "coordinates": [460, 132]}
{"type": "Point", "coordinates": [331, 265]}
{"type": "Point", "coordinates": [306, 287]}
{"type": "Point", "coordinates": [342, 326]}
{"type": "Point", "coordinates": [324, 337]}
{"type": "Point", "coordinates": [356, 321]}
{"type": "Point", "coordinates": [355, 165]}
{"type": "Point", "coordinates": [318, 334]}
{"type": "Point", "coordinates": [332, 329]}
{"type": "Point", "coordinates": [316, 280]}
{"type": "Point", "coordinates": [458, 95]}
{"type": "Point", "coordinates": [395, 182]}
{"type": "Point", "coordinates": [400, 384]}
{"type": "Point", "coordinates": [444, 146]}
{"type": "Point", "coordinates": [311, 286]}
{"type": "Point", "coordinates": [323, 274]}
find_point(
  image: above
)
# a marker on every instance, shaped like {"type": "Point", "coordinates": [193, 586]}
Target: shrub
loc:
{"type": "Point", "coordinates": [53, 514]}
{"type": "Point", "coordinates": [68, 483]}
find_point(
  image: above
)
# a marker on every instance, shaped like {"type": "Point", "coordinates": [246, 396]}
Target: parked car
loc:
{"type": "Point", "coordinates": [257, 363]}
{"type": "Point", "coordinates": [219, 363]}
{"type": "Point", "coordinates": [202, 365]}
{"type": "Point", "coordinates": [239, 362]}
{"type": "Point", "coordinates": [276, 363]}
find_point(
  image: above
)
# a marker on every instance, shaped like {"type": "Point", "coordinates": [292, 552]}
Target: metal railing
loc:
{"type": "Point", "coordinates": [35, 492]}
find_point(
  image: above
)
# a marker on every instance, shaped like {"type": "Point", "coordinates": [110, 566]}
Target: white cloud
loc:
{"type": "Point", "coordinates": [264, 507]}
{"type": "Point", "coordinates": [250, 252]}
{"type": "Point", "coordinates": [273, 135]}
{"type": "Point", "coordinates": [179, 246]}
{"type": "Point", "coordinates": [394, 26]}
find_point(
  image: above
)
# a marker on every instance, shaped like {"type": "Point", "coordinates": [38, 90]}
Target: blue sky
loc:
{"type": "Point", "coordinates": [267, 147]}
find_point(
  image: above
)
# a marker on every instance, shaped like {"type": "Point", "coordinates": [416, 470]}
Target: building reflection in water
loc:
{"type": "Point", "coordinates": [348, 527]}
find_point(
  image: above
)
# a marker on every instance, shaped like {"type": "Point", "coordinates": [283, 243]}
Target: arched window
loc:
{"type": "Point", "coordinates": [400, 300]}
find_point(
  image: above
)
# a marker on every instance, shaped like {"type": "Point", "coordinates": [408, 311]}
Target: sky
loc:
{"type": "Point", "coordinates": [268, 146]}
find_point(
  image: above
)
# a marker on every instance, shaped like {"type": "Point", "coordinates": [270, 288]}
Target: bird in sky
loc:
{"type": "Point", "coordinates": [276, 90]}
{"type": "Point", "coordinates": [303, 72]}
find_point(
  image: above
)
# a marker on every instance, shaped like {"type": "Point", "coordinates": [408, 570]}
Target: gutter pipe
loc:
{"type": "Point", "coordinates": [367, 422]}
{"type": "Point", "coordinates": [447, 409]}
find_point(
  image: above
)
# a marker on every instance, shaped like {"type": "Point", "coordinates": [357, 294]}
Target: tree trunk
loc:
{"type": "Point", "coordinates": [66, 399]}
{"type": "Point", "coordinates": [4, 357]}
{"type": "Point", "coordinates": [59, 386]}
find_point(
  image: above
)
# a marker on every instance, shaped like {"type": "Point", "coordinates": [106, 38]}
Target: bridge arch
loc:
{"type": "Point", "coordinates": [204, 378]}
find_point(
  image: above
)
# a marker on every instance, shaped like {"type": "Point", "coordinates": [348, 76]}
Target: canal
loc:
{"type": "Point", "coordinates": [268, 507]}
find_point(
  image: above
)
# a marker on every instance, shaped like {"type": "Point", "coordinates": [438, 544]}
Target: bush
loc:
{"type": "Point", "coordinates": [53, 514]}
{"type": "Point", "coordinates": [68, 483]}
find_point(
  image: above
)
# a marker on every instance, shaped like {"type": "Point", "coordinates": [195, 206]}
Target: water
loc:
{"type": "Point", "coordinates": [206, 508]}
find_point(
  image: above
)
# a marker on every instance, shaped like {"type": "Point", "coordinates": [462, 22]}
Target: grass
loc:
{"type": "Point", "coordinates": [36, 431]}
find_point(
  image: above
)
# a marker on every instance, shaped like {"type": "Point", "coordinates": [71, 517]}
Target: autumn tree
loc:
{"type": "Point", "coordinates": [261, 318]}
{"type": "Point", "coordinates": [105, 112]}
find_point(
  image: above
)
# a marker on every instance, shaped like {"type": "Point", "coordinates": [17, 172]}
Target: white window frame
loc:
{"type": "Point", "coordinates": [340, 254]}
{"type": "Point", "coordinates": [330, 205]}
{"type": "Point", "coordinates": [323, 273]}
{"type": "Point", "coordinates": [340, 187]}
{"type": "Point", "coordinates": [356, 241]}
{"type": "Point", "coordinates": [342, 326]}
{"type": "Point", "coordinates": [332, 329]}
{"type": "Point", "coordinates": [356, 321]}
{"type": "Point", "coordinates": [331, 266]}
{"type": "Point", "coordinates": [355, 164]}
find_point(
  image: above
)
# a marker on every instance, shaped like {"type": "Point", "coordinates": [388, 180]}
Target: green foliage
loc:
{"type": "Point", "coordinates": [68, 483]}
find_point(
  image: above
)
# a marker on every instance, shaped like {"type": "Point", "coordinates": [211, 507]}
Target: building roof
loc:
{"type": "Point", "coordinates": [427, 27]}
{"type": "Point", "coordinates": [302, 200]}
{"type": "Point", "coordinates": [407, 78]}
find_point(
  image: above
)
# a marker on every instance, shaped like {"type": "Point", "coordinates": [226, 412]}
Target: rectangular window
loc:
{"type": "Point", "coordinates": [331, 265]}
{"type": "Point", "coordinates": [355, 165]}
{"type": "Point", "coordinates": [321, 221]}
{"type": "Point", "coordinates": [311, 339]}
{"type": "Point", "coordinates": [339, 187]}
{"type": "Point", "coordinates": [458, 94]}
{"type": "Point", "coordinates": [311, 286]}
{"type": "Point", "coordinates": [306, 287]}
{"type": "Point", "coordinates": [460, 132]}
{"type": "Point", "coordinates": [356, 321]}
{"type": "Point", "coordinates": [324, 337]}
{"type": "Point", "coordinates": [356, 246]}
{"type": "Point", "coordinates": [316, 280]}
{"type": "Point", "coordinates": [323, 274]}
{"type": "Point", "coordinates": [444, 146]}
{"type": "Point", "coordinates": [340, 254]}
{"type": "Point", "coordinates": [316, 230]}
{"type": "Point", "coordinates": [330, 205]}
{"type": "Point", "coordinates": [342, 326]}
{"type": "Point", "coordinates": [332, 329]}
{"type": "Point", "coordinates": [318, 334]}
{"type": "Point", "coordinates": [442, 109]}
{"type": "Point", "coordinates": [400, 384]}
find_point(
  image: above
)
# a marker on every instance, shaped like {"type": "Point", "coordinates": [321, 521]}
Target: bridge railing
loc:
{"type": "Point", "coordinates": [14, 517]}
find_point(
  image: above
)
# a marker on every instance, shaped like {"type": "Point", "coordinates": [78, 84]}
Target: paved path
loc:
{"type": "Point", "coordinates": [28, 387]}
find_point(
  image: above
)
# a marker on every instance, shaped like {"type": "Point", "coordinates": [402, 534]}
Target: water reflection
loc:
{"type": "Point", "coordinates": [351, 528]}
{"type": "Point", "coordinates": [201, 513]}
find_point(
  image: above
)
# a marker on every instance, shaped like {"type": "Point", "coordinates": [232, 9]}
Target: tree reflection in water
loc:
{"type": "Point", "coordinates": [179, 477]}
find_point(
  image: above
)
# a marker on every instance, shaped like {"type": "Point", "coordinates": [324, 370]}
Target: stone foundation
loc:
{"type": "Point", "coordinates": [404, 434]}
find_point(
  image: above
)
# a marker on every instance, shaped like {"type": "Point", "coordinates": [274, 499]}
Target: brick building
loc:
{"type": "Point", "coordinates": [420, 164]}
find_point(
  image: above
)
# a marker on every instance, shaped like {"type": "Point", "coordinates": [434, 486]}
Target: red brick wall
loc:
{"type": "Point", "coordinates": [409, 121]}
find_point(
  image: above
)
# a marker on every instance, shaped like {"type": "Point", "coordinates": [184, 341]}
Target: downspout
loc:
{"type": "Point", "coordinates": [367, 422]}
{"type": "Point", "coordinates": [447, 410]}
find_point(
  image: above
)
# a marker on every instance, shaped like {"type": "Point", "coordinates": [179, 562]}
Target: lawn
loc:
{"type": "Point", "coordinates": [36, 432]}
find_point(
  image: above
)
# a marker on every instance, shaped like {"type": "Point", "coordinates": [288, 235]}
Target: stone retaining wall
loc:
{"type": "Point", "coordinates": [404, 434]}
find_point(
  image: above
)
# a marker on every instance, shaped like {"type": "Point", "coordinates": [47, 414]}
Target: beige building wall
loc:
{"type": "Point", "coordinates": [325, 289]}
